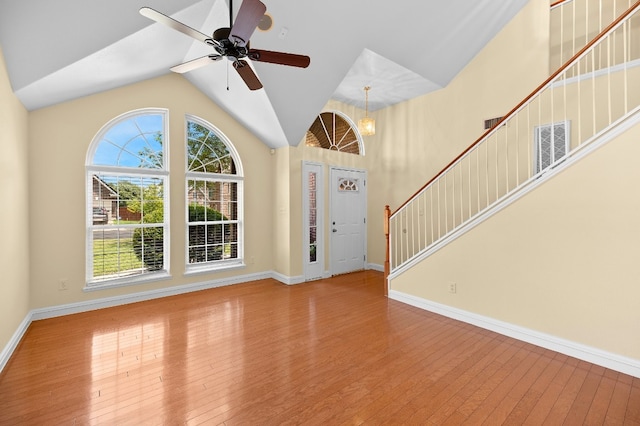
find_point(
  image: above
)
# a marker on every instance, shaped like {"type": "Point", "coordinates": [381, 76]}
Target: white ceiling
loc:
{"type": "Point", "coordinates": [64, 49]}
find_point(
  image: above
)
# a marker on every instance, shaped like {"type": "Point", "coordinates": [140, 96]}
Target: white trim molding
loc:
{"type": "Point", "coordinates": [375, 267]}
{"type": "Point", "coordinates": [13, 343]}
{"type": "Point", "coordinates": [108, 302]}
{"type": "Point", "coordinates": [577, 350]}
{"type": "Point", "coordinates": [286, 279]}
{"type": "Point", "coordinates": [596, 141]}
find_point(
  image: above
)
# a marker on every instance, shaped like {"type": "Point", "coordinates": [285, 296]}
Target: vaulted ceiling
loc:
{"type": "Point", "coordinates": [59, 50]}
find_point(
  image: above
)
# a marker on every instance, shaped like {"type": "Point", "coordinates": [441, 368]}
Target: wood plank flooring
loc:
{"type": "Point", "coordinates": [331, 352]}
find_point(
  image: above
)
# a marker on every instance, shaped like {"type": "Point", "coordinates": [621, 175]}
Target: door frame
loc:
{"type": "Point", "coordinates": [332, 171]}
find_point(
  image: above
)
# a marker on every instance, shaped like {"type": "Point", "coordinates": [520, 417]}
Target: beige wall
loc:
{"type": "Point", "coordinates": [59, 138]}
{"type": "Point", "coordinates": [14, 214]}
{"type": "Point", "coordinates": [574, 23]}
{"type": "Point", "coordinates": [563, 260]}
{"type": "Point", "coordinates": [416, 139]}
{"type": "Point", "coordinates": [281, 207]}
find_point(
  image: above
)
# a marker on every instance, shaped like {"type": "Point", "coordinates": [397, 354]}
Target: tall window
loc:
{"type": "Point", "coordinates": [313, 216]}
{"type": "Point", "coordinates": [214, 199]}
{"type": "Point", "coordinates": [127, 197]}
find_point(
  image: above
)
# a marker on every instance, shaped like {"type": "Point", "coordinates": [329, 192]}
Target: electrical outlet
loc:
{"type": "Point", "coordinates": [63, 284]}
{"type": "Point", "coordinates": [252, 260]}
{"type": "Point", "coordinates": [452, 288]}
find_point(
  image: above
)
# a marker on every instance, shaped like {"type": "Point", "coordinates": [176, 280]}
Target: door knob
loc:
{"type": "Point", "coordinates": [335, 230]}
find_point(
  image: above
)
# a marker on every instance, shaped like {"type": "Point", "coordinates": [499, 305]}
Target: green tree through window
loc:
{"type": "Point", "coordinates": [126, 169]}
{"type": "Point", "coordinates": [214, 207]}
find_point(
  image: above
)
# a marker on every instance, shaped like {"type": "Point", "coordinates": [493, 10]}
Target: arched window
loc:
{"type": "Point", "coordinates": [127, 193]}
{"type": "Point", "coordinates": [335, 131]}
{"type": "Point", "coordinates": [214, 199]}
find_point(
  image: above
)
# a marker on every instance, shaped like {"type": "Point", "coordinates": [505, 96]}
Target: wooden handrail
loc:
{"type": "Point", "coordinates": [560, 70]}
{"type": "Point", "coordinates": [558, 3]}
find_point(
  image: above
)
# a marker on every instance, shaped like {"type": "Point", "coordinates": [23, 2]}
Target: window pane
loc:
{"type": "Point", "coordinates": [134, 142]}
{"type": "Point", "coordinates": [206, 152]}
{"type": "Point", "coordinates": [122, 252]}
{"type": "Point", "coordinates": [128, 199]}
{"type": "Point", "coordinates": [212, 233]}
{"type": "Point", "coordinates": [312, 253]}
{"type": "Point", "coordinates": [126, 229]}
{"type": "Point", "coordinates": [149, 247]}
{"type": "Point", "coordinates": [212, 202]}
{"type": "Point", "coordinates": [332, 131]}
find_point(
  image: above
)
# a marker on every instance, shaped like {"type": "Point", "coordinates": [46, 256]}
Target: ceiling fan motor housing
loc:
{"type": "Point", "coordinates": [226, 47]}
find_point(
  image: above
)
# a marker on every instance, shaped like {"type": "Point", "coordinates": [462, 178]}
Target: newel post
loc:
{"type": "Point", "coordinates": [387, 215]}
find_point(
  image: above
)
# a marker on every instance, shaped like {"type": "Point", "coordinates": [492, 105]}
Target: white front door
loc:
{"type": "Point", "coordinates": [313, 220]}
{"type": "Point", "coordinates": [348, 220]}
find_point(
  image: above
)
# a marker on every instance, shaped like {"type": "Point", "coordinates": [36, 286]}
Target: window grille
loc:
{"type": "Point", "coordinates": [335, 132]}
{"type": "Point", "coordinates": [214, 199]}
{"type": "Point", "coordinates": [127, 200]}
{"type": "Point", "coordinates": [348, 185]}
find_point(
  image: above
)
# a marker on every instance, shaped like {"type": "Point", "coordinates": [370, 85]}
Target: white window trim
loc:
{"type": "Point", "coordinates": [91, 283]}
{"type": "Point", "coordinates": [238, 178]}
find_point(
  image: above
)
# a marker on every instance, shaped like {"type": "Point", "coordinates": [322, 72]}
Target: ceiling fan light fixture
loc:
{"type": "Point", "coordinates": [265, 23]}
{"type": "Point", "coordinates": [367, 125]}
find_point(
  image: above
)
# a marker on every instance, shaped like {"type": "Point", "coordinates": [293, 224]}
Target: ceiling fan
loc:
{"type": "Point", "coordinates": [232, 43]}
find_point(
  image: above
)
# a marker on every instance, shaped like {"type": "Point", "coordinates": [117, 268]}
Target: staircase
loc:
{"type": "Point", "coordinates": [590, 98]}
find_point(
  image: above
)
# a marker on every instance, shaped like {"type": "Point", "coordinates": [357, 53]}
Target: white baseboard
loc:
{"type": "Point", "coordinates": [375, 267]}
{"type": "Point", "coordinates": [287, 280]}
{"type": "Point", "coordinates": [107, 302]}
{"type": "Point", "coordinates": [11, 346]}
{"type": "Point", "coordinates": [596, 356]}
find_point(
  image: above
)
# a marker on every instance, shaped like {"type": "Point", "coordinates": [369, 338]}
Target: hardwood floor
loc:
{"type": "Point", "coordinates": [330, 352]}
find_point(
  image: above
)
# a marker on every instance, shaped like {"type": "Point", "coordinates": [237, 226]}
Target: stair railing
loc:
{"type": "Point", "coordinates": [595, 90]}
{"type": "Point", "coordinates": [573, 23]}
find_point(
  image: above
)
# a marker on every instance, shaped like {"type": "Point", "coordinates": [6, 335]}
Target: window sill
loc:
{"type": "Point", "coordinates": [126, 281]}
{"type": "Point", "coordinates": [207, 268]}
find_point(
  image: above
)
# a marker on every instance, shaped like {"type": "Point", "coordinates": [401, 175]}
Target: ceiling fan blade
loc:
{"type": "Point", "coordinates": [281, 58]}
{"type": "Point", "coordinates": [250, 78]}
{"type": "Point", "coordinates": [176, 25]}
{"type": "Point", "coordinates": [249, 15]}
{"type": "Point", "coordinates": [194, 63]}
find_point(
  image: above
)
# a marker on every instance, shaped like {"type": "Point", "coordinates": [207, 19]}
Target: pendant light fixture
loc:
{"type": "Point", "coordinates": [366, 125]}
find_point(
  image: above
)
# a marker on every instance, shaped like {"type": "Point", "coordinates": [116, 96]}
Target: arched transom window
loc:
{"type": "Point", "coordinates": [336, 132]}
